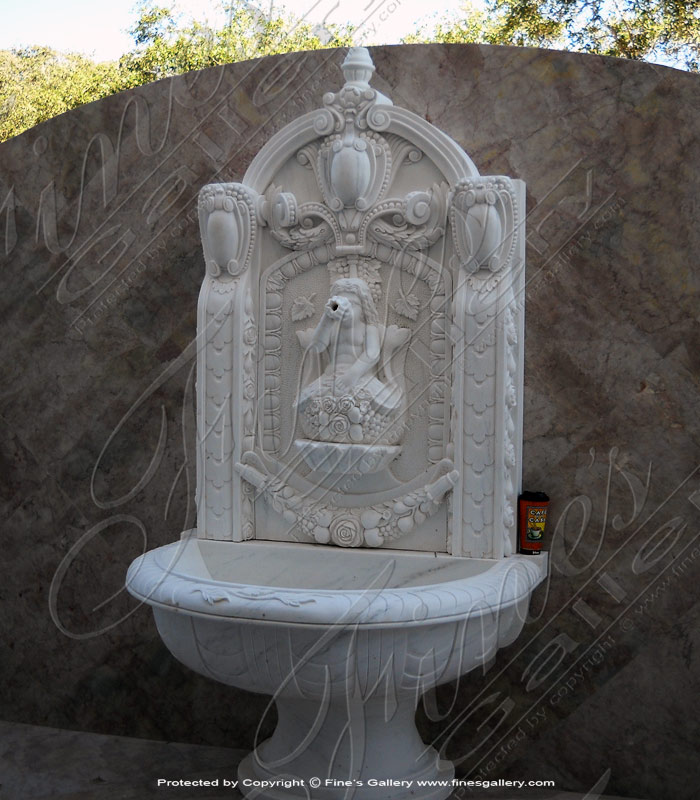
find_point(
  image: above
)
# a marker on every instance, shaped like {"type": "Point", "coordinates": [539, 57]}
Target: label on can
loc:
{"type": "Point", "coordinates": [532, 516]}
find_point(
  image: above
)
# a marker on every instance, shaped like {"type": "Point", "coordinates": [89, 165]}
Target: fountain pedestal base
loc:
{"type": "Point", "coordinates": [363, 749]}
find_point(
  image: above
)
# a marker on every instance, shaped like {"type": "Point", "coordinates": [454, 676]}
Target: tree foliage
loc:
{"type": "Point", "coordinates": [38, 83]}
{"type": "Point", "coordinates": [164, 48]}
{"type": "Point", "coordinates": [665, 31]}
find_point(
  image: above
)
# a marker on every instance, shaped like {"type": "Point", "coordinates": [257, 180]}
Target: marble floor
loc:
{"type": "Point", "coordinates": [38, 763]}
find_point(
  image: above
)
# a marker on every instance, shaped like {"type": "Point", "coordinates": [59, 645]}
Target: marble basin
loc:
{"type": "Point", "coordinates": [345, 642]}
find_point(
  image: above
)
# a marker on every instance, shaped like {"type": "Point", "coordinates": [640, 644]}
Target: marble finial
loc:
{"type": "Point", "coordinates": [358, 67]}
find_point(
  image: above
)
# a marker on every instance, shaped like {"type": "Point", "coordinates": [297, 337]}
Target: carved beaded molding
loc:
{"type": "Point", "coordinates": [369, 197]}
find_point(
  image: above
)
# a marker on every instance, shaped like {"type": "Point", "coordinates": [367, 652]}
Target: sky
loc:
{"type": "Point", "coordinates": [99, 27]}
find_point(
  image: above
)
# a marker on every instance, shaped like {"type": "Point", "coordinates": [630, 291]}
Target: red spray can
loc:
{"type": "Point", "coordinates": [532, 515]}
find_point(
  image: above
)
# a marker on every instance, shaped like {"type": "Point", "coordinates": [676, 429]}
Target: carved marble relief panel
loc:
{"type": "Point", "coordinates": [361, 338]}
{"type": "Point", "coordinates": [356, 360]}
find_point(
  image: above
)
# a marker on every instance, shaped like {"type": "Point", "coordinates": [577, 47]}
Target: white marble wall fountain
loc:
{"type": "Point", "coordinates": [359, 388]}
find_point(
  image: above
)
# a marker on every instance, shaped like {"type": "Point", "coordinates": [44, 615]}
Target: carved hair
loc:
{"type": "Point", "coordinates": [359, 288]}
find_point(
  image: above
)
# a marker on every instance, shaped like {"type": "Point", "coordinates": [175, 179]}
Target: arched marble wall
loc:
{"type": "Point", "coordinates": [101, 265]}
